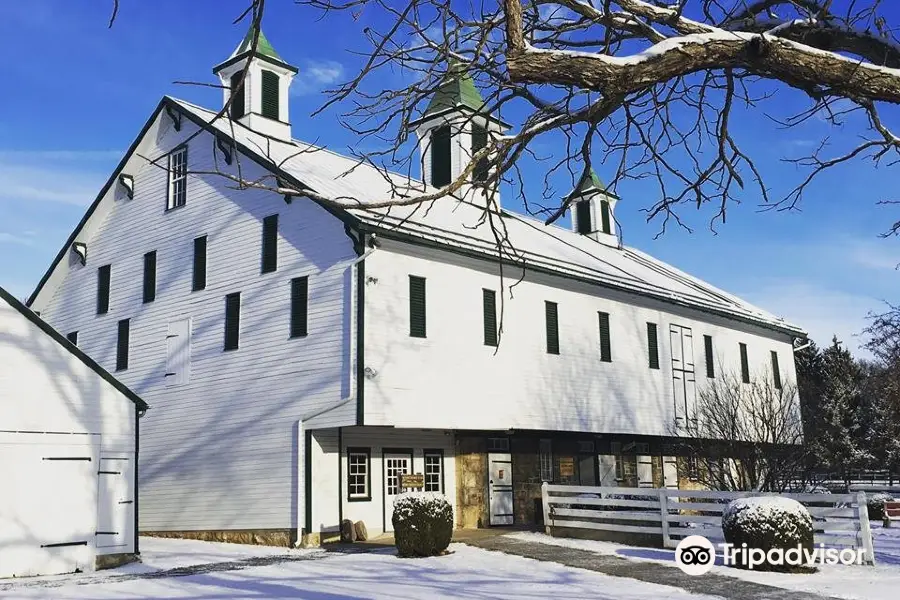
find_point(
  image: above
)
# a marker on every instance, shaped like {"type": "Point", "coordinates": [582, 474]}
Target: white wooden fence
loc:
{"type": "Point", "coordinates": [839, 520]}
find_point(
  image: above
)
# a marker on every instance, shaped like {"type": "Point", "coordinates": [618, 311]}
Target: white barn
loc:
{"type": "Point", "coordinates": [302, 356]}
{"type": "Point", "coordinates": [68, 450]}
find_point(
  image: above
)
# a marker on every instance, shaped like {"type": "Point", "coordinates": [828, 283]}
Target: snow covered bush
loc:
{"type": "Point", "coordinates": [423, 524]}
{"type": "Point", "coordinates": [875, 505]}
{"type": "Point", "coordinates": [767, 523]}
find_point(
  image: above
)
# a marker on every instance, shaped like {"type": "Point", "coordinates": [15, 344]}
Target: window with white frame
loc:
{"type": "Point", "coordinates": [177, 178]}
{"type": "Point", "coordinates": [546, 457]}
{"type": "Point", "coordinates": [358, 469]}
{"type": "Point", "coordinates": [434, 475]}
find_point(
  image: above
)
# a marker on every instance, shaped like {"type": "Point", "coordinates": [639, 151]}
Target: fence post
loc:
{"type": "Point", "coordinates": [545, 504]}
{"type": "Point", "coordinates": [865, 529]}
{"type": "Point", "coordinates": [664, 511]}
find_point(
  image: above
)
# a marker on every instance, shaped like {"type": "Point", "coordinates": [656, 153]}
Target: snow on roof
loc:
{"type": "Point", "coordinates": [461, 225]}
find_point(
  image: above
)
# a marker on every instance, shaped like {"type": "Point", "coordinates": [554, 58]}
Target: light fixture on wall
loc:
{"type": "Point", "coordinates": [370, 373]}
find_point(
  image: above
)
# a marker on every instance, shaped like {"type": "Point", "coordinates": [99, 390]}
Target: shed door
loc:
{"type": "Point", "coordinates": [48, 506]}
{"type": "Point", "coordinates": [115, 514]}
{"type": "Point", "coordinates": [500, 487]}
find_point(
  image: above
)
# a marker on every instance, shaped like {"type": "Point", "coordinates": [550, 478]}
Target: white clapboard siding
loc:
{"type": "Point", "coordinates": [219, 447]}
{"type": "Point", "coordinates": [468, 385]}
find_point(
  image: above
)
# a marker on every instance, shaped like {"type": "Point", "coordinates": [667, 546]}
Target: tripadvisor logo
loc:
{"type": "Point", "coordinates": [695, 555]}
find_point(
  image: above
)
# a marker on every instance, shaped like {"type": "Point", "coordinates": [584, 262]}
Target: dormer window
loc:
{"type": "Point", "coordinates": [270, 95]}
{"type": "Point", "coordinates": [583, 217]}
{"type": "Point", "coordinates": [237, 96]}
{"type": "Point", "coordinates": [440, 156]}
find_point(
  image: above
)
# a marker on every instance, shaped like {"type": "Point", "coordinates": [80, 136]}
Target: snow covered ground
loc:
{"type": "Point", "coordinates": [880, 582]}
{"type": "Point", "coordinates": [465, 573]}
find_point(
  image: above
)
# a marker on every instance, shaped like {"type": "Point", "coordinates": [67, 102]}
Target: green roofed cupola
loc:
{"type": "Point", "coordinates": [261, 101]}
{"type": "Point", "coordinates": [453, 127]}
{"type": "Point", "coordinates": [592, 210]}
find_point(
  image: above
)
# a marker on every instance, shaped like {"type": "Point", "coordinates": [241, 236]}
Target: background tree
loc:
{"type": "Point", "coordinates": [882, 389]}
{"type": "Point", "coordinates": [750, 435]}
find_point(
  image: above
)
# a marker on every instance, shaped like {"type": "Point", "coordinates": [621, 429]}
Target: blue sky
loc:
{"type": "Point", "coordinates": [77, 93]}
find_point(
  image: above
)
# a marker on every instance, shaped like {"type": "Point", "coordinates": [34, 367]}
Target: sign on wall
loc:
{"type": "Point", "coordinates": [566, 466]}
{"type": "Point", "coordinates": [412, 480]}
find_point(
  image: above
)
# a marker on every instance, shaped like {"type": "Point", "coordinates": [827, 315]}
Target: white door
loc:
{"type": "Point", "coordinates": [48, 504]}
{"type": "Point", "coordinates": [500, 486]}
{"type": "Point", "coordinates": [115, 515]}
{"type": "Point", "coordinates": [395, 465]}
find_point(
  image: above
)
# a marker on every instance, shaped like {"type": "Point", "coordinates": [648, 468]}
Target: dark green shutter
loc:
{"type": "Point", "coordinates": [299, 306]}
{"type": "Point", "coordinates": [416, 306]}
{"type": "Point", "coordinates": [604, 216]}
{"type": "Point", "coordinates": [605, 346]}
{"type": "Point", "coordinates": [479, 141]}
{"type": "Point", "coordinates": [440, 156]}
{"type": "Point", "coordinates": [583, 217]}
{"type": "Point", "coordinates": [103, 277]}
{"type": "Point", "coordinates": [122, 345]}
{"type": "Point", "coordinates": [72, 337]}
{"type": "Point", "coordinates": [270, 95]}
{"type": "Point", "coordinates": [232, 320]}
{"type": "Point", "coordinates": [490, 317]}
{"type": "Point", "coordinates": [551, 312]}
{"type": "Point", "coordinates": [776, 370]}
{"type": "Point", "coordinates": [745, 364]}
{"type": "Point", "coordinates": [237, 96]}
{"type": "Point", "coordinates": [150, 277]}
{"type": "Point", "coordinates": [708, 346]}
{"type": "Point", "coordinates": [270, 244]}
{"type": "Point", "coordinates": [652, 345]}
{"type": "Point", "coordinates": [199, 282]}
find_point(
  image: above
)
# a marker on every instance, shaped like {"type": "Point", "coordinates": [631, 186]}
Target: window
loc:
{"type": "Point", "coordinates": [150, 277]}
{"type": "Point", "coordinates": [776, 370]}
{"type": "Point", "coordinates": [416, 306]}
{"type": "Point", "coordinates": [270, 244]}
{"type": "Point", "coordinates": [708, 347]}
{"type": "Point", "coordinates": [498, 444]}
{"type": "Point", "coordinates": [546, 458]}
{"type": "Point", "coordinates": [605, 347]}
{"type": "Point", "coordinates": [440, 156]}
{"type": "Point", "coordinates": [358, 468]}
{"type": "Point", "coordinates": [72, 336]}
{"type": "Point", "coordinates": [693, 467]}
{"type": "Point", "coordinates": [615, 448]}
{"type": "Point", "coordinates": [551, 313]}
{"type": "Point", "coordinates": [103, 277]}
{"type": "Point", "coordinates": [237, 96]}
{"type": "Point", "coordinates": [269, 95]}
{"type": "Point", "coordinates": [490, 317]}
{"type": "Point", "coordinates": [178, 352]}
{"type": "Point", "coordinates": [299, 306]}
{"type": "Point", "coordinates": [479, 141]}
{"type": "Point", "coordinates": [232, 320]}
{"type": "Point", "coordinates": [122, 345]}
{"type": "Point", "coordinates": [583, 217]}
{"type": "Point", "coordinates": [745, 365]}
{"type": "Point", "coordinates": [652, 345]}
{"type": "Point", "coordinates": [177, 178]}
{"type": "Point", "coordinates": [604, 216]}
{"type": "Point", "coordinates": [199, 279]}
{"type": "Point", "coordinates": [434, 471]}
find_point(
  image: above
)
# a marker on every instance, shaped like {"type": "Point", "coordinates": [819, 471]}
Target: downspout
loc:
{"type": "Point", "coordinates": [305, 437]}
{"type": "Point", "coordinates": [138, 413]}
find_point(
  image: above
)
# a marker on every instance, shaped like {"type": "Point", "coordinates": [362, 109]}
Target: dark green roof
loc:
{"type": "Point", "coordinates": [590, 182]}
{"type": "Point", "coordinates": [457, 89]}
{"type": "Point", "coordinates": [263, 47]}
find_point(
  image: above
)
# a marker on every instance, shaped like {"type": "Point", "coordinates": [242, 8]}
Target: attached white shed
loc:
{"type": "Point", "coordinates": [68, 453]}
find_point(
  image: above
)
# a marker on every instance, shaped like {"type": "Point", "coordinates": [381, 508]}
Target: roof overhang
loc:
{"type": "Point", "coordinates": [243, 55]}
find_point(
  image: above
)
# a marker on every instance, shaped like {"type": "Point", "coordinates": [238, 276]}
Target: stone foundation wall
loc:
{"type": "Point", "coordinates": [111, 561]}
{"type": "Point", "coordinates": [262, 537]}
{"type": "Point", "coordinates": [471, 482]}
{"type": "Point", "coordinates": [526, 479]}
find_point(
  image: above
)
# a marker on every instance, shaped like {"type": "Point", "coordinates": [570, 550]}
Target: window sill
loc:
{"type": "Point", "coordinates": [360, 499]}
{"type": "Point", "coordinates": [230, 349]}
{"type": "Point", "coordinates": [174, 208]}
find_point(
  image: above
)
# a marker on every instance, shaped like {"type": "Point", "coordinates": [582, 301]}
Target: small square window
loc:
{"type": "Point", "coordinates": [358, 471]}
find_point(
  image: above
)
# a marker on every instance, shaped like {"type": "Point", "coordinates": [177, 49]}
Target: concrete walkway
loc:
{"type": "Point", "coordinates": [711, 584]}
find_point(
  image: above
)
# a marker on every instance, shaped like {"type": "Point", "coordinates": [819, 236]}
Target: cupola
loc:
{"type": "Point", "coordinates": [592, 210]}
{"type": "Point", "coordinates": [452, 129]}
{"type": "Point", "coordinates": [261, 103]}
